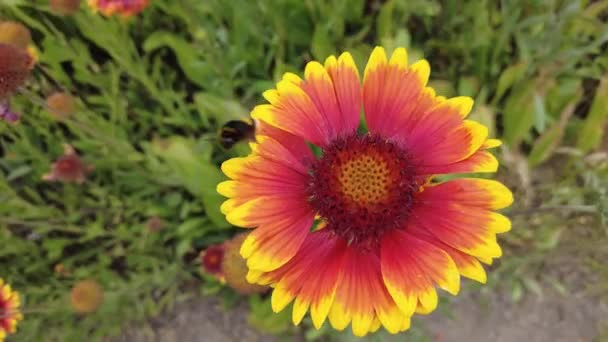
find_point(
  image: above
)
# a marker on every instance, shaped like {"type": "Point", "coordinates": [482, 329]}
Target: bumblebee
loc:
{"type": "Point", "coordinates": [235, 131]}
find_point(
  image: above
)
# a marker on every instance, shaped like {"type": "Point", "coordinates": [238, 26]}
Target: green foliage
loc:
{"type": "Point", "coordinates": [153, 90]}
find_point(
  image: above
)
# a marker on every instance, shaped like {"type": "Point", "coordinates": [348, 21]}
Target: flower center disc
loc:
{"type": "Point", "coordinates": [362, 186]}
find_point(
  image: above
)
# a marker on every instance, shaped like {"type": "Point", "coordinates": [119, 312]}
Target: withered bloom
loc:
{"type": "Point", "coordinates": [61, 105]}
{"type": "Point", "coordinates": [14, 33]}
{"type": "Point", "coordinates": [155, 224]}
{"type": "Point", "coordinates": [15, 67]}
{"type": "Point", "coordinates": [64, 7]}
{"type": "Point", "coordinates": [68, 168]}
{"type": "Point", "coordinates": [235, 270]}
{"type": "Point", "coordinates": [86, 296]}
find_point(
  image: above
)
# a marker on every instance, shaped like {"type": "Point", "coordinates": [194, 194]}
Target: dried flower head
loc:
{"type": "Point", "coordinates": [155, 224]}
{"type": "Point", "coordinates": [235, 267]}
{"type": "Point", "coordinates": [10, 314]}
{"type": "Point", "coordinates": [211, 260]}
{"type": "Point", "coordinates": [64, 7]}
{"type": "Point", "coordinates": [61, 270]}
{"type": "Point", "coordinates": [15, 34]}
{"type": "Point", "coordinates": [61, 105]}
{"type": "Point", "coordinates": [68, 168]}
{"type": "Point", "coordinates": [86, 296]}
{"type": "Point", "coordinates": [125, 8]}
{"type": "Point", "coordinates": [15, 67]}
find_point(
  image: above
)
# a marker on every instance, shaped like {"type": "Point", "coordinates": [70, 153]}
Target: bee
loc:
{"type": "Point", "coordinates": [235, 131]}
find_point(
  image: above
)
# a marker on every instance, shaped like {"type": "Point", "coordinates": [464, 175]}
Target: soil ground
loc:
{"type": "Point", "coordinates": [471, 318]}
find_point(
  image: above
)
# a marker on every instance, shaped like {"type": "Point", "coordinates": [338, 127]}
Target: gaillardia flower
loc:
{"type": "Point", "coordinates": [9, 310]}
{"type": "Point", "coordinates": [360, 232]}
{"type": "Point", "coordinates": [125, 8]}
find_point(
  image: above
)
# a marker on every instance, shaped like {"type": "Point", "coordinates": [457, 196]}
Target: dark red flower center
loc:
{"type": "Point", "coordinates": [69, 166]}
{"type": "Point", "coordinates": [363, 186]}
{"type": "Point", "coordinates": [212, 259]}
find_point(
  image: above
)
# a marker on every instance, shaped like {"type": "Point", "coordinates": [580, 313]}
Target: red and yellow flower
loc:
{"type": "Point", "coordinates": [360, 233]}
{"type": "Point", "coordinates": [125, 8]}
{"type": "Point", "coordinates": [10, 314]}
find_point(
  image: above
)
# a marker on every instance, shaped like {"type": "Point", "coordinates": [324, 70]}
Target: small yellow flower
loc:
{"type": "Point", "coordinates": [9, 310]}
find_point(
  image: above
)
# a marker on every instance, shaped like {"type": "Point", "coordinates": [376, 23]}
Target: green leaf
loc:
{"type": "Point", "coordinates": [518, 116]}
{"type": "Point", "coordinates": [545, 144]}
{"type": "Point", "coordinates": [196, 174]}
{"type": "Point", "coordinates": [321, 46]}
{"type": "Point", "coordinates": [486, 116]}
{"type": "Point", "coordinates": [590, 134]}
{"type": "Point", "coordinates": [188, 56]}
{"type": "Point", "coordinates": [385, 20]}
{"type": "Point", "coordinates": [218, 108]}
{"type": "Point", "coordinates": [443, 87]}
{"type": "Point", "coordinates": [508, 78]}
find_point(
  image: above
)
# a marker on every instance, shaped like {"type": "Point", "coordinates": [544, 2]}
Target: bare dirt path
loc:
{"type": "Point", "coordinates": [471, 318]}
{"type": "Point", "coordinates": [550, 318]}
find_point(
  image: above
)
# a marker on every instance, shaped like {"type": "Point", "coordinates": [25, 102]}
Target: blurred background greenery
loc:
{"type": "Point", "coordinates": [152, 91]}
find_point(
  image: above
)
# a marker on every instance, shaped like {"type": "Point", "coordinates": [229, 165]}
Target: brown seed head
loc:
{"type": "Point", "coordinates": [235, 267]}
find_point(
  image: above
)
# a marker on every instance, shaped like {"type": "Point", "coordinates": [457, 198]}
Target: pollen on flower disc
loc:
{"type": "Point", "coordinates": [14, 68]}
{"type": "Point", "coordinates": [14, 33]}
{"type": "Point", "coordinates": [86, 296]}
{"type": "Point", "coordinates": [235, 267]}
{"type": "Point", "coordinates": [362, 186]}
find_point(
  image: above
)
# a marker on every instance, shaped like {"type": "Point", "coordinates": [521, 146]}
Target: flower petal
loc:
{"type": "Point", "coordinates": [480, 161]}
{"type": "Point", "coordinates": [340, 101]}
{"type": "Point", "coordinates": [411, 267]}
{"type": "Point", "coordinates": [295, 112]}
{"type": "Point", "coordinates": [467, 222]}
{"type": "Point", "coordinates": [347, 86]}
{"type": "Point", "coordinates": [273, 244]}
{"type": "Point", "coordinates": [393, 93]}
{"type": "Point", "coordinates": [362, 298]}
{"type": "Point", "coordinates": [319, 108]}
{"type": "Point", "coordinates": [295, 145]}
{"type": "Point", "coordinates": [310, 277]}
